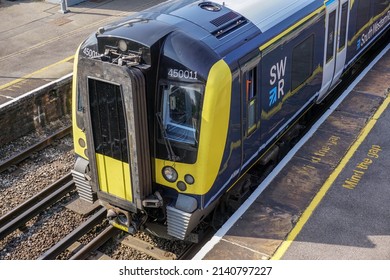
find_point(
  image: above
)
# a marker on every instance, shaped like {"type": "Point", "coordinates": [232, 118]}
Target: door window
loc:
{"type": "Point", "coordinates": [331, 36]}
{"type": "Point", "coordinates": [343, 26]}
{"type": "Point", "coordinates": [251, 97]}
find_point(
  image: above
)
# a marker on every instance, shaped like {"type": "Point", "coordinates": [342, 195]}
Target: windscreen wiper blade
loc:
{"type": "Point", "coordinates": [167, 142]}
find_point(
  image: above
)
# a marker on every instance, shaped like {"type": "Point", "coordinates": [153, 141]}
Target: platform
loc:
{"type": "Point", "coordinates": [329, 198]}
{"type": "Point", "coordinates": [38, 42]}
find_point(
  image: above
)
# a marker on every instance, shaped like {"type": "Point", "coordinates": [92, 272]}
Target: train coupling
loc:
{"type": "Point", "coordinates": [153, 201]}
{"type": "Point", "coordinates": [124, 220]}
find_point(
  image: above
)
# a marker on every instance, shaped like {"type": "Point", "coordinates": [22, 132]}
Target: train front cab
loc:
{"type": "Point", "coordinates": [117, 137]}
{"type": "Point", "coordinates": [130, 180]}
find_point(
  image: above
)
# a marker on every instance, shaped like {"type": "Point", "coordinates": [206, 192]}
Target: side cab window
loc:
{"type": "Point", "coordinates": [251, 91]}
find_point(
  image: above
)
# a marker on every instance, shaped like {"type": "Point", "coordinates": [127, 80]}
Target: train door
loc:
{"type": "Point", "coordinates": [117, 138]}
{"type": "Point", "coordinates": [341, 50]}
{"type": "Point", "coordinates": [251, 110]}
{"type": "Point", "coordinates": [331, 20]}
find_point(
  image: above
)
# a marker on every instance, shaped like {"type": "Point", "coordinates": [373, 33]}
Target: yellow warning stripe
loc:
{"type": "Point", "coordinates": [292, 28]}
{"type": "Point", "coordinates": [34, 73]}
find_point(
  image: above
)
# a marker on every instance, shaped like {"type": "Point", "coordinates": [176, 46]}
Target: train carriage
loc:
{"type": "Point", "coordinates": [173, 105]}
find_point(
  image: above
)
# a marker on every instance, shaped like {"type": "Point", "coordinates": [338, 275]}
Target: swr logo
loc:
{"type": "Point", "coordinates": [277, 73]}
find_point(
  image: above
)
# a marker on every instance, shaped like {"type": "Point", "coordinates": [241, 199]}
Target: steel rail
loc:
{"type": "Point", "coordinates": [72, 237]}
{"type": "Point", "coordinates": [6, 218]}
{"type": "Point", "coordinates": [29, 209]}
{"type": "Point", "coordinates": [36, 147]}
{"type": "Point", "coordinates": [97, 242]}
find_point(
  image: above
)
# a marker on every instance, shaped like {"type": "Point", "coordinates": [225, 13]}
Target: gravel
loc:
{"type": "Point", "coordinates": [115, 250]}
{"type": "Point", "coordinates": [35, 174]}
{"type": "Point", "coordinates": [40, 233]}
{"type": "Point", "coordinates": [27, 179]}
{"type": "Point", "coordinates": [12, 148]}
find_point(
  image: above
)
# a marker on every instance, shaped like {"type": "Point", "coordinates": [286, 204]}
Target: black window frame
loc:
{"type": "Point", "coordinates": [308, 67]}
{"type": "Point", "coordinates": [108, 119]}
{"type": "Point", "coordinates": [170, 83]}
{"type": "Point", "coordinates": [251, 93]}
{"type": "Point", "coordinates": [184, 152]}
{"type": "Point", "coordinates": [343, 26]}
{"type": "Point", "coordinates": [380, 6]}
{"type": "Point", "coordinates": [331, 36]}
{"type": "Point", "coordinates": [363, 13]}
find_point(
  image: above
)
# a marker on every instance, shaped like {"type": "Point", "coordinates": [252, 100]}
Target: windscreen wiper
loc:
{"type": "Point", "coordinates": [167, 142]}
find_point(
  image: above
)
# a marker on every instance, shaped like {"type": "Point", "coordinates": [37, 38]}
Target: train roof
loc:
{"type": "Point", "coordinates": [222, 25]}
{"type": "Point", "coordinates": [266, 14]}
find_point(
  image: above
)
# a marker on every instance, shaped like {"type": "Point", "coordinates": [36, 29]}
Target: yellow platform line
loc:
{"type": "Point", "coordinates": [62, 36]}
{"type": "Point", "coordinates": [320, 195]}
{"type": "Point", "coordinates": [34, 73]}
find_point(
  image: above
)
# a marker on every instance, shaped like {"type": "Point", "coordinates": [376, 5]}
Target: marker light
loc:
{"type": "Point", "coordinates": [189, 179]}
{"type": "Point", "coordinates": [81, 142]}
{"type": "Point", "coordinates": [181, 186]}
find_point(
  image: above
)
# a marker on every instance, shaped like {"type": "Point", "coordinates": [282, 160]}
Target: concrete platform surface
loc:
{"type": "Point", "coordinates": [38, 41]}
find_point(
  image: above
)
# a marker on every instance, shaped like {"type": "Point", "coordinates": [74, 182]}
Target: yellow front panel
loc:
{"type": "Point", "coordinates": [78, 132]}
{"type": "Point", "coordinates": [114, 177]}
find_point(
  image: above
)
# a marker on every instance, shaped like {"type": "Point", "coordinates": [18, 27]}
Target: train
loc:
{"type": "Point", "coordinates": [176, 105]}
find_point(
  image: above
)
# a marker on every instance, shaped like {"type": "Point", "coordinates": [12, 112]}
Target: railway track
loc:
{"type": "Point", "coordinates": [22, 155]}
{"type": "Point", "coordinates": [35, 187]}
{"type": "Point", "coordinates": [91, 250]}
{"type": "Point", "coordinates": [18, 217]}
{"type": "Point", "coordinates": [71, 238]}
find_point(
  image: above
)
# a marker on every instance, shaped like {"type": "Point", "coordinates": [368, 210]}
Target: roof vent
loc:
{"type": "Point", "coordinates": [209, 6]}
{"type": "Point", "coordinates": [227, 23]}
{"type": "Point", "coordinates": [224, 19]}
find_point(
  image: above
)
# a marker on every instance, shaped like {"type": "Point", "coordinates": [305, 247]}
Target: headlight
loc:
{"type": "Point", "coordinates": [169, 174]}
